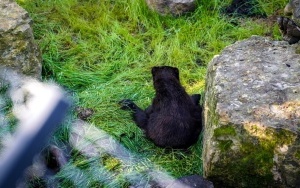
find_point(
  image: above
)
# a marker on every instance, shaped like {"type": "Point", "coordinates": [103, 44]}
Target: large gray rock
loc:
{"type": "Point", "coordinates": [17, 47]}
{"type": "Point", "coordinates": [252, 115]}
{"type": "Point", "coordinates": [174, 7]}
{"type": "Point", "coordinates": [293, 9]}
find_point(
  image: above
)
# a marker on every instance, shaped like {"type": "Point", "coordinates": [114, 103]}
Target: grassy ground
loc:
{"type": "Point", "coordinates": [101, 51]}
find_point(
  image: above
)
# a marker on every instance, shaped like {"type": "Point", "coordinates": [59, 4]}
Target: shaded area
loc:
{"type": "Point", "coordinates": [245, 8]}
{"type": "Point", "coordinates": [289, 29]}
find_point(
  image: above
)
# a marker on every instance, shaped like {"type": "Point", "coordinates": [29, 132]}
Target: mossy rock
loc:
{"type": "Point", "coordinates": [18, 50]}
{"type": "Point", "coordinates": [251, 136]}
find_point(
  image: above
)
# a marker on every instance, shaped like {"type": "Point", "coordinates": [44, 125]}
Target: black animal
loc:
{"type": "Point", "coordinates": [174, 118]}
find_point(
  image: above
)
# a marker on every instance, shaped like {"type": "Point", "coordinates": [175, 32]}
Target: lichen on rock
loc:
{"type": "Point", "coordinates": [252, 112]}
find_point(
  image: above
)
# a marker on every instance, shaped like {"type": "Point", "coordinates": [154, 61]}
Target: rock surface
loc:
{"type": "Point", "coordinates": [174, 7]}
{"type": "Point", "coordinates": [289, 29]}
{"type": "Point", "coordinates": [252, 115]}
{"type": "Point", "coordinates": [17, 47]}
{"type": "Point", "coordinates": [293, 9]}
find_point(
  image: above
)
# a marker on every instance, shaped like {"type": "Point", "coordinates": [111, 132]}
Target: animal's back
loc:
{"type": "Point", "coordinates": [177, 125]}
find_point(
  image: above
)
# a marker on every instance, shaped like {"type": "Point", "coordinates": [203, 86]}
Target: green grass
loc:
{"type": "Point", "coordinates": [102, 51]}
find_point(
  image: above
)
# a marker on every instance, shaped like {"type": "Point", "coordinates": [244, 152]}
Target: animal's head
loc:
{"type": "Point", "coordinates": [164, 72]}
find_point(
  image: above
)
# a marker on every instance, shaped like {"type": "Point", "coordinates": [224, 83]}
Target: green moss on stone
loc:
{"type": "Point", "coordinates": [212, 114]}
{"type": "Point", "coordinates": [251, 165]}
{"type": "Point", "coordinates": [297, 154]}
{"type": "Point", "coordinates": [297, 50]}
{"type": "Point", "coordinates": [224, 131]}
{"type": "Point", "coordinates": [284, 137]}
{"type": "Point", "coordinates": [225, 145]}
{"type": "Point", "coordinates": [257, 158]}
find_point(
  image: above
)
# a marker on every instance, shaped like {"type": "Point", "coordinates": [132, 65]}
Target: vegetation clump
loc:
{"type": "Point", "coordinates": [224, 131]}
{"type": "Point", "coordinates": [256, 154]}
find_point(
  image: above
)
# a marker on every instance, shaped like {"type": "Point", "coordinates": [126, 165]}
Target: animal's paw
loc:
{"type": "Point", "coordinates": [289, 29]}
{"type": "Point", "coordinates": [127, 104]}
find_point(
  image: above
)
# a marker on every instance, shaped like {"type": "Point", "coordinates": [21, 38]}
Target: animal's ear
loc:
{"type": "Point", "coordinates": [154, 70]}
{"type": "Point", "coordinates": [176, 71]}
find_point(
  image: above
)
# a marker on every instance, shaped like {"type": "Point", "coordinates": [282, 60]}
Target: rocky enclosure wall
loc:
{"type": "Point", "coordinates": [18, 50]}
{"type": "Point", "coordinates": [252, 115]}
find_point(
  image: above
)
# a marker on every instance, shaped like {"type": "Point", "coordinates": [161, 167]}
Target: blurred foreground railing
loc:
{"type": "Point", "coordinates": [40, 108]}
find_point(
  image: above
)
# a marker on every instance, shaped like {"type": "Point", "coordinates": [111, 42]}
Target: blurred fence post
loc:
{"type": "Point", "coordinates": [32, 133]}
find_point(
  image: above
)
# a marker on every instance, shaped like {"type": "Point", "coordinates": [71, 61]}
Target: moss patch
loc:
{"type": "Point", "coordinates": [297, 154]}
{"type": "Point", "coordinates": [224, 131]}
{"type": "Point", "coordinates": [251, 165]}
{"type": "Point", "coordinates": [224, 145]}
{"type": "Point", "coordinates": [297, 50]}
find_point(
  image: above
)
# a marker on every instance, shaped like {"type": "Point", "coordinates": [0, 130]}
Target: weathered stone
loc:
{"type": "Point", "coordinates": [252, 115]}
{"type": "Point", "coordinates": [17, 47]}
{"type": "Point", "coordinates": [174, 7]}
{"type": "Point", "coordinates": [289, 29]}
{"type": "Point", "coordinates": [293, 9]}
